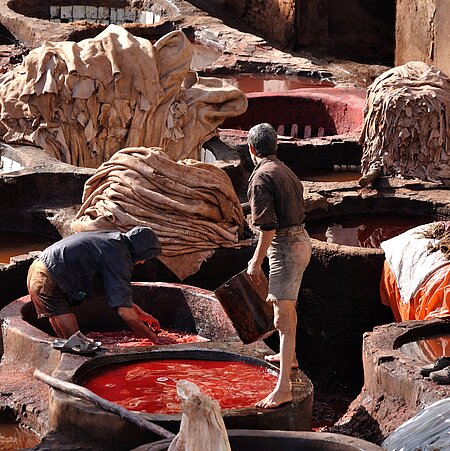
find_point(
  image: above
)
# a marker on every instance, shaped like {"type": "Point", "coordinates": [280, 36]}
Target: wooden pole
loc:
{"type": "Point", "coordinates": [84, 393]}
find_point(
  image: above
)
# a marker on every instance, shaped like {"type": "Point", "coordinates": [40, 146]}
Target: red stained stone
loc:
{"type": "Point", "coordinates": [127, 338]}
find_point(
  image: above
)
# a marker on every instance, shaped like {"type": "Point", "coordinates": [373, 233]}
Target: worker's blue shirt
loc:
{"type": "Point", "coordinates": [74, 261]}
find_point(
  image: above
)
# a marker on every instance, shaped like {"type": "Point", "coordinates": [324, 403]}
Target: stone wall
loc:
{"type": "Point", "coordinates": [441, 55]}
{"type": "Point", "coordinates": [361, 29]}
{"type": "Point", "coordinates": [423, 32]}
{"type": "Point", "coordinates": [274, 18]}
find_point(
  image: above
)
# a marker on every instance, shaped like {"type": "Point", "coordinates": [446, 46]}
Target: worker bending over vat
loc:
{"type": "Point", "coordinates": [62, 277]}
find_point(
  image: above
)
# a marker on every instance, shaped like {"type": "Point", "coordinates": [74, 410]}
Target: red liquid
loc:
{"type": "Point", "coordinates": [150, 386]}
{"type": "Point", "coordinates": [127, 338]}
{"type": "Point", "coordinates": [363, 230]}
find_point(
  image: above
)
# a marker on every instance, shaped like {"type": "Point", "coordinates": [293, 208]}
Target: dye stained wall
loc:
{"type": "Point", "coordinates": [423, 32]}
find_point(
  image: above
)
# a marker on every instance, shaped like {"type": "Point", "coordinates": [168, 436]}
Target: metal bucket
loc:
{"type": "Point", "coordinates": [246, 306]}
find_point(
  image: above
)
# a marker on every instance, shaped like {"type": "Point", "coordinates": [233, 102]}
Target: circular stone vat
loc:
{"type": "Point", "coordinates": [305, 113]}
{"type": "Point", "coordinates": [318, 130]}
{"type": "Point", "coordinates": [117, 12]}
{"type": "Point", "coordinates": [178, 308]}
{"type": "Point", "coordinates": [340, 291]}
{"type": "Point", "coordinates": [32, 206]}
{"type": "Point", "coordinates": [31, 202]}
{"type": "Point", "coordinates": [150, 386]}
{"type": "Point", "coordinates": [21, 236]}
{"type": "Point", "coordinates": [339, 174]}
{"type": "Point", "coordinates": [14, 434]}
{"type": "Point", "coordinates": [60, 21]}
{"type": "Point", "coordinates": [15, 243]}
{"type": "Point", "coordinates": [73, 414]}
{"type": "Point", "coordinates": [394, 391]}
{"type": "Point", "coordinates": [251, 440]}
{"type": "Point", "coordinates": [71, 20]}
{"type": "Point", "coordinates": [366, 231]}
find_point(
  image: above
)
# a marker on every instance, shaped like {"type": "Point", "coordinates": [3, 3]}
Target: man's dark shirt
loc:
{"type": "Point", "coordinates": [276, 195]}
{"type": "Point", "coordinates": [74, 261]}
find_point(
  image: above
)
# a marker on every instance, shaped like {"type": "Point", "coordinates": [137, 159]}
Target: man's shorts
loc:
{"type": "Point", "coordinates": [47, 297]}
{"type": "Point", "coordinates": [289, 255]}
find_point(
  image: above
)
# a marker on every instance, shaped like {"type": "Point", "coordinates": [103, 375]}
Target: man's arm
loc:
{"type": "Point", "coordinates": [254, 265]}
{"type": "Point", "coordinates": [152, 322]}
{"type": "Point", "coordinates": [131, 318]}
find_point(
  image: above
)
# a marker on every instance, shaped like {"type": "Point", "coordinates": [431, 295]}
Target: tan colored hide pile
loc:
{"type": "Point", "coordinates": [190, 205]}
{"type": "Point", "coordinates": [406, 129]}
{"type": "Point", "coordinates": [82, 102]}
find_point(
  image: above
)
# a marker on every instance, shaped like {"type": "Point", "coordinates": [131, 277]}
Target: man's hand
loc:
{"type": "Point", "coordinates": [254, 265]}
{"type": "Point", "coordinates": [152, 322]}
{"type": "Point", "coordinates": [134, 322]}
{"type": "Point", "coordinates": [254, 271]}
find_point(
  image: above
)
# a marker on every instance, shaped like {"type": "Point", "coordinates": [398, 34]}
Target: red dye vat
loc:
{"type": "Point", "coordinates": [127, 338]}
{"type": "Point", "coordinates": [367, 231]}
{"type": "Point", "coordinates": [150, 386]}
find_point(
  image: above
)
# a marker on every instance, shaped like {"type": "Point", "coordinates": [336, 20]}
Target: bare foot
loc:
{"type": "Point", "coordinates": [275, 399]}
{"type": "Point", "coordinates": [275, 358]}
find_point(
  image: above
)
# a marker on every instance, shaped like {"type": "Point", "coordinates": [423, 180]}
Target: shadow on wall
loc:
{"type": "Point", "coordinates": [363, 30]}
{"type": "Point", "coordinates": [361, 425]}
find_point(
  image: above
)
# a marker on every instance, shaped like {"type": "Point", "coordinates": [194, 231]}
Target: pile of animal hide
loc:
{"type": "Point", "coordinates": [406, 128]}
{"type": "Point", "coordinates": [190, 205]}
{"type": "Point", "coordinates": [439, 232]}
{"type": "Point", "coordinates": [82, 102]}
{"type": "Point", "coordinates": [202, 427]}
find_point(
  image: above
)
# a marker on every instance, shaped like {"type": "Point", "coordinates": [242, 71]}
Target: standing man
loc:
{"type": "Point", "coordinates": [62, 277]}
{"type": "Point", "coordinates": [276, 201]}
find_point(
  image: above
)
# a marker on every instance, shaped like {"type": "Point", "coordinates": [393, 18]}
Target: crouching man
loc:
{"type": "Point", "coordinates": [62, 277]}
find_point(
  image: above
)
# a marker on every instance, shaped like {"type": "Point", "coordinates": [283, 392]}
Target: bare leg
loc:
{"type": "Point", "coordinates": [64, 325]}
{"type": "Point", "coordinates": [286, 322]}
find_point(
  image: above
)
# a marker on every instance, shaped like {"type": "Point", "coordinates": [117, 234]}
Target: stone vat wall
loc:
{"type": "Point", "coordinates": [276, 18]}
{"type": "Point", "coordinates": [423, 32]}
{"type": "Point", "coordinates": [358, 28]}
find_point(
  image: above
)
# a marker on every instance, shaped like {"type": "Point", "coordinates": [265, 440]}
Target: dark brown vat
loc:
{"type": "Point", "coordinates": [263, 440]}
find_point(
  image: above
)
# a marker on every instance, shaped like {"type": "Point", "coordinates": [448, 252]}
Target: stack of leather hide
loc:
{"type": "Point", "coordinates": [406, 129]}
{"type": "Point", "coordinates": [82, 102]}
{"type": "Point", "coordinates": [190, 205]}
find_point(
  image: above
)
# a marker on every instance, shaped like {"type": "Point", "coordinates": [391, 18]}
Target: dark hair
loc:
{"type": "Point", "coordinates": [263, 138]}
